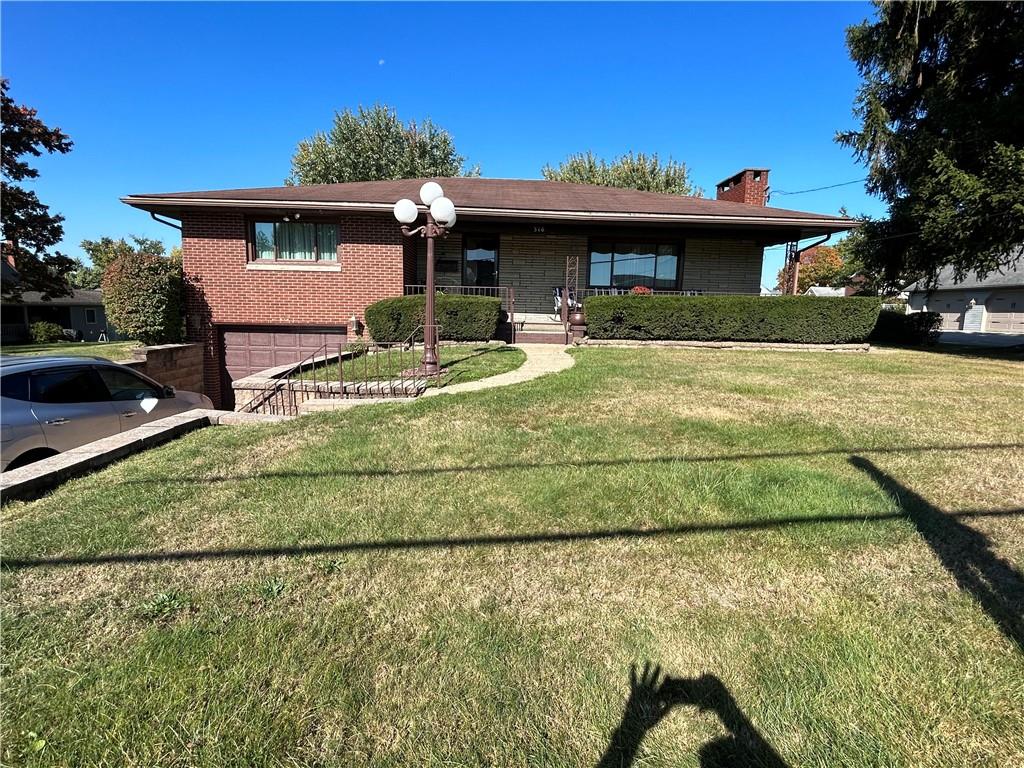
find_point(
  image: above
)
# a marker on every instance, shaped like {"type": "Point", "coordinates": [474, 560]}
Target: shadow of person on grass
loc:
{"type": "Point", "coordinates": [652, 696]}
{"type": "Point", "coordinates": [964, 551]}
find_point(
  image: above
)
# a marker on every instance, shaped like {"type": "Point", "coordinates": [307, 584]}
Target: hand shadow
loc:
{"type": "Point", "coordinates": [744, 745]}
{"type": "Point", "coordinates": [652, 697]}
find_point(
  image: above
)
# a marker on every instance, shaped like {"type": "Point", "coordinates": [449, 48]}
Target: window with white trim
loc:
{"type": "Point", "coordinates": [295, 241]}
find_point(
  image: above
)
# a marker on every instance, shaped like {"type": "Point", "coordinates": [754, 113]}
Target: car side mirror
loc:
{"type": "Point", "coordinates": [168, 391]}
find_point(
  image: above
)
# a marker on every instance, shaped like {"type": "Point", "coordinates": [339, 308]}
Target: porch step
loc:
{"type": "Point", "coordinates": [535, 337]}
{"type": "Point", "coordinates": [543, 328]}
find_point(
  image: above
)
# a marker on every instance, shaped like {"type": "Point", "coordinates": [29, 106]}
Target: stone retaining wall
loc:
{"type": "Point", "coordinates": [179, 365]}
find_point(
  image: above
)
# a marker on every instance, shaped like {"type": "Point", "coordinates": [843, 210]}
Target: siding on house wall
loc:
{"type": "Point", "coordinates": [535, 264]}
{"type": "Point", "coordinates": [720, 265]}
{"type": "Point", "coordinates": [221, 290]}
{"type": "Point", "coordinates": [447, 260]}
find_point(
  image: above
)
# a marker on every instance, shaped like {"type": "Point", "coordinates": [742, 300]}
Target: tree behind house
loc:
{"type": "Point", "coordinates": [822, 265]}
{"type": "Point", "coordinates": [372, 144]}
{"type": "Point", "coordinates": [142, 294]}
{"type": "Point", "coordinates": [942, 133]}
{"type": "Point", "coordinates": [29, 229]}
{"type": "Point", "coordinates": [631, 171]}
{"type": "Point", "coordinates": [103, 252]}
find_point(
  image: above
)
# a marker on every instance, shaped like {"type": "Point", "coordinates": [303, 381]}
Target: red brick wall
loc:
{"type": "Point", "coordinates": [748, 186]}
{"type": "Point", "coordinates": [221, 290]}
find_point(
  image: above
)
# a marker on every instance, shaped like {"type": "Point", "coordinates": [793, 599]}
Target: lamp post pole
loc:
{"type": "Point", "coordinates": [440, 219]}
{"type": "Point", "coordinates": [430, 361]}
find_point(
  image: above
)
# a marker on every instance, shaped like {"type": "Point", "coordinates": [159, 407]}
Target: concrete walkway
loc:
{"type": "Point", "coordinates": [541, 359]}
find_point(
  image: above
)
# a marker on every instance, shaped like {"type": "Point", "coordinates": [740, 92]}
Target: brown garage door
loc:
{"type": "Point", "coordinates": [251, 349]}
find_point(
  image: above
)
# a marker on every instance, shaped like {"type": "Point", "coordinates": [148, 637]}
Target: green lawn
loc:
{"type": "Point", "coordinates": [465, 362]}
{"type": "Point", "coordinates": [112, 350]}
{"type": "Point", "coordinates": [822, 552]}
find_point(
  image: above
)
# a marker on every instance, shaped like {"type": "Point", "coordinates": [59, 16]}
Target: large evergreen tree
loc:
{"type": "Point", "coordinates": [373, 144]}
{"type": "Point", "coordinates": [942, 133]}
{"type": "Point", "coordinates": [29, 229]}
{"type": "Point", "coordinates": [631, 171]}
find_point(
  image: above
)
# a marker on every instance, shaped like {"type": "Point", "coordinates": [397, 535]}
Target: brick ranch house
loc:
{"type": "Point", "coordinates": [273, 273]}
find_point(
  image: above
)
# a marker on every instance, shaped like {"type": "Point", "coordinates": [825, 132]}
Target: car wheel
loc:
{"type": "Point", "coordinates": [36, 454]}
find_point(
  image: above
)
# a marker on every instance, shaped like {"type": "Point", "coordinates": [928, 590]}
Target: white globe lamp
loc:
{"type": "Point", "coordinates": [430, 191]}
{"type": "Point", "coordinates": [451, 222]}
{"type": "Point", "coordinates": [406, 211]}
{"type": "Point", "coordinates": [442, 209]}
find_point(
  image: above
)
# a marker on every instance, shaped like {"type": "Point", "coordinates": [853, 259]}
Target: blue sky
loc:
{"type": "Point", "coordinates": [167, 97]}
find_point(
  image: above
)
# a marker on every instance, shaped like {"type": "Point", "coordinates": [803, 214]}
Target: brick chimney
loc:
{"type": "Point", "coordinates": [748, 186]}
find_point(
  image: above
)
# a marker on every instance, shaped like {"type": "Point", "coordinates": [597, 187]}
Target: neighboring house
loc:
{"type": "Point", "coordinates": [273, 273]}
{"type": "Point", "coordinates": [81, 312]}
{"type": "Point", "coordinates": [766, 291]}
{"type": "Point", "coordinates": [995, 304]}
{"type": "Point", "coordinates": [826, 290]}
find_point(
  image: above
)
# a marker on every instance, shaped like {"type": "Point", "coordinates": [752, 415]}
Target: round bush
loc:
{"type": "Point", "coordinates": [44, 332]}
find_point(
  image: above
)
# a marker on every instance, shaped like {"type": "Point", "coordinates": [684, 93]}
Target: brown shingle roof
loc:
{"type": "Point", "coordinates": [500, 197]}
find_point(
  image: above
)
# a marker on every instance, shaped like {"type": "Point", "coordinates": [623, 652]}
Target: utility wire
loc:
{"type": "Point", "coordinates": [816, 189]}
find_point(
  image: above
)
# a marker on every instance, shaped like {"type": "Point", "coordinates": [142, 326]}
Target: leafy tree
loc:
{"type": "Point", "coordinates": [822, 265]}
{"type": "Point", "coordinates": [29, 229]}
{"type": "Point", "coordinates": [631, 171]}
{"type": "Point", "coordinates": [103, 252]}
{"type": "Point", "coordinates": [142, 296]}
{"type": "Point", "coordinates": [942, 133]}
{"type": "Point", "coordinates": [373, 144]}
{"type": "Point", "coordinates": [85, 276]}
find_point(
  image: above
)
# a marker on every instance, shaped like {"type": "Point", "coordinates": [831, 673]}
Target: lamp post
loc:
{"type": "Point", "coordinates": [440, 219]}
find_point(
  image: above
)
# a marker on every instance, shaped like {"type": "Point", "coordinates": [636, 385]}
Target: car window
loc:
{"type": "Point", "coordinates": [67, 385]}
{"type": "Point", "coordinates": [125, 385]}
{"type": "Point", "coordinates": [14, 386]}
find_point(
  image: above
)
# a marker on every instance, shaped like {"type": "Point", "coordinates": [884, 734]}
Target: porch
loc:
{"type": "Point", "coordinates": [529, 271]}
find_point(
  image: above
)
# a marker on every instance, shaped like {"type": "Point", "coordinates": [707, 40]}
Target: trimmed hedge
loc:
{"type": "Point", "coordinates": [915, 329]}
{"type": "Point", "coordinates": [800, 319]}
{"type": "Point", "coordinates": [462, 318]}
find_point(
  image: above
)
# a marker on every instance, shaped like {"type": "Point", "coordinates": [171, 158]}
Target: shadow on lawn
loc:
{"type": "Point", "coordinates": [652, 697]}
{"type": "Point", "coordinates": [555, 537]}
{"type": "Point", "coordinates": [454, 377]}
{"type": "Point", "coordinates": [966, 553]}
{"type": "Point", "coordinates": [682, 459]}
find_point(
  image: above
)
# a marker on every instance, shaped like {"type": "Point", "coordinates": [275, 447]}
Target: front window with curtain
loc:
{"type": "Point", "coordinates": [295, 240]}
{"type": "Point", "coordinates": [629, 264]}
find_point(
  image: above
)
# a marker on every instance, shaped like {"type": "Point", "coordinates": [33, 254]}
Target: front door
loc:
{"type": "Point", "coordinates": [480, 260]}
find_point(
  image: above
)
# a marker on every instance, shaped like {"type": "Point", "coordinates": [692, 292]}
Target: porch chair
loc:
{"type": "Point", "coordinates": [573, 304]}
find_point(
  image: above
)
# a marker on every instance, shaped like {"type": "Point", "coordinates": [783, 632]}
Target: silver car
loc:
{"type": "Point", "coordinates": [52, 404]}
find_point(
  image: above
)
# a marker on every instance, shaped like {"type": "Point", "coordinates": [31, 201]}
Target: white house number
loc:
{"type": "Point", "coordinates": [538, 230]}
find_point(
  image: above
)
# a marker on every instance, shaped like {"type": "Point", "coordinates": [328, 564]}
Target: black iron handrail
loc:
{"type": "Point", "coordinates": [405, 382]}
{"type": "Point", "coordinates": [269, 396]}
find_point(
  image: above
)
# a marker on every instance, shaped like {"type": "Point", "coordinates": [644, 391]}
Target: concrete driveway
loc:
{"type": "Point", "coordinates": [991, 340]}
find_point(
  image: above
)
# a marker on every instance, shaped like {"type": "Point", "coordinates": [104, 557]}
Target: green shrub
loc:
{"type": "Point", "coordinates": [462, 318]}
{"type": "Point", "coordinates": [803, 319]}
{"type": "Point", "coordinates": [896, 327]}
{"type": "Point", "coordinates": [44, 332]}
{"type": "Point", "coordinates": [142, 294]}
